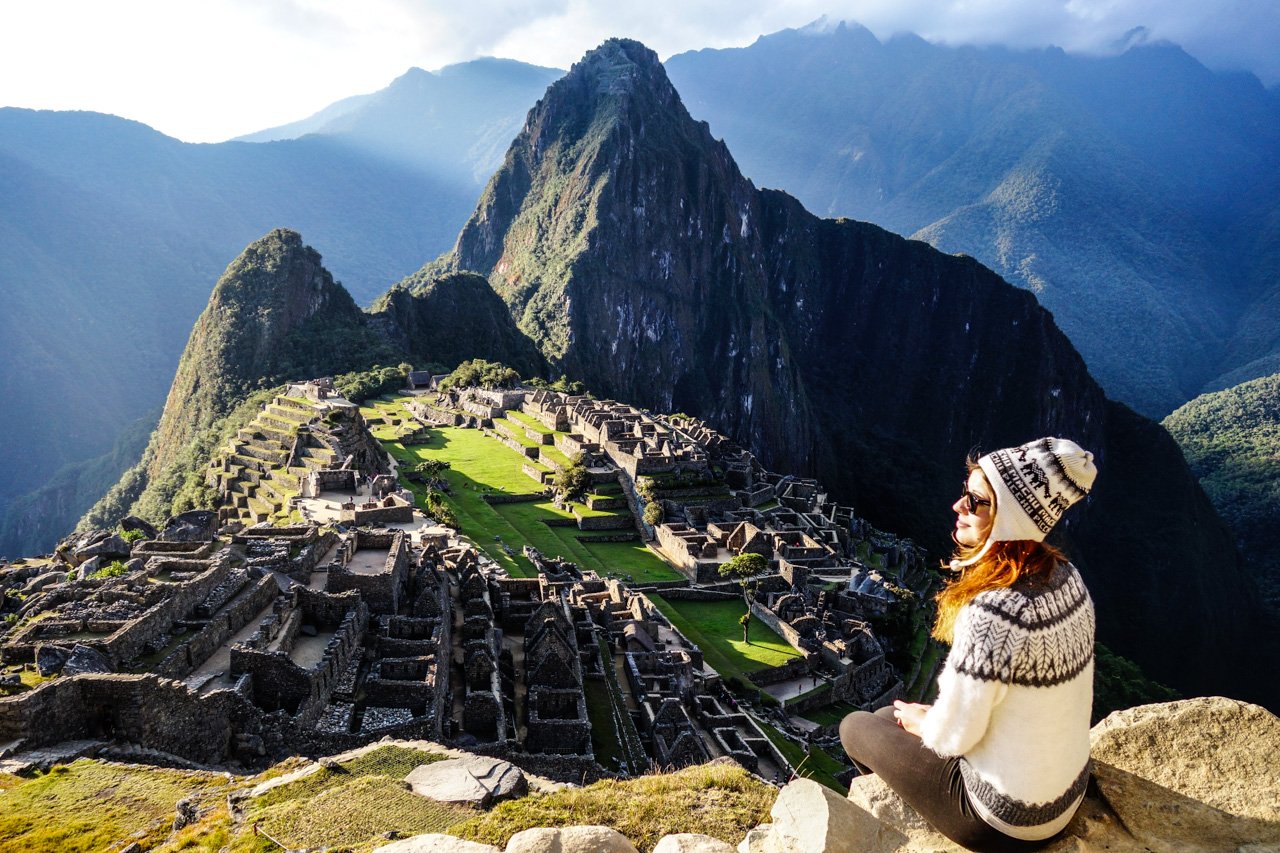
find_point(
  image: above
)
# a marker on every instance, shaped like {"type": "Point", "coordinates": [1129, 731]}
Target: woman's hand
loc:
{"type": "Point", "coordinates": [910, 715]}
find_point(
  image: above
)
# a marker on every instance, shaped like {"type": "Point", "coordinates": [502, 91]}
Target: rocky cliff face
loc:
{"type": "Point", "coordinates": [627, 244]}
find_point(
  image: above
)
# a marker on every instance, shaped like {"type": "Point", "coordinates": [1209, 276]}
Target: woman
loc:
{"type": "Point", "coordinates": [1000, 761]}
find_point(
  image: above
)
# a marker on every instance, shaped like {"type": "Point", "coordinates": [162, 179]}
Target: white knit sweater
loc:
{"type": "Point", "coordinates": [1014, 700]}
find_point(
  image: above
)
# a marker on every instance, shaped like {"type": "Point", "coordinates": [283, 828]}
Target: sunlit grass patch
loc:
{"type": "Point", "coordinates": [713, 625]}
{"type": "Point", "coordinates": [91, 805]}
{"type": "Point", "coordinates": [721, 800]}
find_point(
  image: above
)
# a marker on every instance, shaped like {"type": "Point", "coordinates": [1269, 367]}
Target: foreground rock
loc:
{"type": "Point", "coordinates": [434, 842]}
{"type": "Point", "coordinates": [475, 780]}
{"type": "Point", "coordinates": [570, 839]}
{"type": "Point", "coordinates": [1194, 746]}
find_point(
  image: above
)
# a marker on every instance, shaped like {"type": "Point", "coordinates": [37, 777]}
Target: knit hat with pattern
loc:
{"type": "Point", "coordinates": [1033, 485]}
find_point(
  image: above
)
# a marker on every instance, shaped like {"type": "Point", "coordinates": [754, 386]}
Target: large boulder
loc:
{"type": "Point", "coordinates": [197, 525]}
{"type": "Point", "coordinates": [475, 780]}
{"type": "Point", "coordinates": [111, 547]}
{"type": "Point", "coordinates": [84, 659]}
{"type": "Point", "coordinates": [51, 659]}
{"type": "Point", "coordinates": [131, 523]}
{"type": "Point", "coordinates": [687, 842]}
{"type": "Point", "coordinates": [812, 818]}
{"type": "Point", "coordinates": [1192, 746]}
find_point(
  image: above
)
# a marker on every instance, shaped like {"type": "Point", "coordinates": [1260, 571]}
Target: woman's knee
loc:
{"type": "Point", "coordinates": [855, 728]}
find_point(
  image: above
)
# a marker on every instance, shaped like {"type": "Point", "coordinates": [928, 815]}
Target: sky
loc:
{"type": "Point", "coordinates": [209, 70]}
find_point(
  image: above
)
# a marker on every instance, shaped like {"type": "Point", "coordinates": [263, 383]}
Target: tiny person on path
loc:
{"type": "Point", "coordinates": [1001, 760]}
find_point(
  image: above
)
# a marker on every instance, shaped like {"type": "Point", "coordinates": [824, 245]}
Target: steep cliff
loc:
{"type": "Point", "coordinates": [628, 245]}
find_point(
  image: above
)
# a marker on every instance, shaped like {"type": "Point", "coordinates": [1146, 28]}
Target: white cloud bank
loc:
{"type": "Point", "coordinates": [211, 70]}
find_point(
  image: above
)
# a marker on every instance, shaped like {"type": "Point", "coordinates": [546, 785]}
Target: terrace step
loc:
{"type": "Point", "coordinates": [291, 416]}
{"type": "Point", "coordinates": [287, 403]}
{"type": "Point", "coordinates": [276, 423]}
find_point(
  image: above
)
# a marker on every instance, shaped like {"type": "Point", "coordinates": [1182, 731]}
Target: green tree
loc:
{"type": "Point", "coordinates": [743, 566]}
{"type": "Point", "coordinates": [571, 483]}
{"type": "Point", "coordinates": [745, 621]}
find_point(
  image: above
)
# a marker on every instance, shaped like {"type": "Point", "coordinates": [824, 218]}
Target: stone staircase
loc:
{"type": "Point", "coordinates": [262, 468]}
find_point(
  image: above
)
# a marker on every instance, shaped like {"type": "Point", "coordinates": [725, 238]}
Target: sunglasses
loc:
{"type": "Point", "coordinates": [973, 500]}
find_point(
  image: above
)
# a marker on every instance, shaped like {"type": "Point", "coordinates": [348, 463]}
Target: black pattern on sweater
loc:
{"type": "Point", "coordinates": [1013, 811]}
{"type": "Point", "coordinates": [1036, 635]}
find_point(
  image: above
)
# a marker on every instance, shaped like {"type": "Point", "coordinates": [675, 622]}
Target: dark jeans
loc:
{"type": "Point", "coordinates": [932, 785]}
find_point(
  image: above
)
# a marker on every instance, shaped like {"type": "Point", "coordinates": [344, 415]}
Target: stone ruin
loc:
{"type": "Point", "coordinates": [269, 640]}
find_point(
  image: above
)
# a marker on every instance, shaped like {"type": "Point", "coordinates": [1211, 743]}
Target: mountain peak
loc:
{"type": "Point", "coordinates": [618, 67]}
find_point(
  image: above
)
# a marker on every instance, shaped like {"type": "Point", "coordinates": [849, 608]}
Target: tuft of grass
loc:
{"type": "Point", "coordinates": [722, 801]}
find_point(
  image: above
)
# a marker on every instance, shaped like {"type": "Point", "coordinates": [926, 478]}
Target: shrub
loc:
{"type": "Point", "coordinates": [114, 569]}
{"type": "Point", "coordinates": [653, 513]}
{"type": "Point", "coordinates": [572, 482]}
{"type": "Point", "coordinates": [132, 536]}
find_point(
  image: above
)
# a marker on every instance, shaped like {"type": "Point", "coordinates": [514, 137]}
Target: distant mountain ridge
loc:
{"type": "Point", "coordinates": [628, 245]}
{"type": "Point", "coordinates": [415, 121]}
{"type": "Point", "coordinates": [276, 314]}
{"type": "Point", "coordinates": [1127, 192]}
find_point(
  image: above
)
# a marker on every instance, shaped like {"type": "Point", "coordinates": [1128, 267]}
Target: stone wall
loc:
{"type": "Point", "coordinates": [776, 624]}
{"type": "Point", "coordinates": [280, 683]}
{"type": "Point", "coordinates": [382, 591]}
{"type": "Point", "coordinates": [793, 668]}
{"type": "Point", "coordinates": [604, 522]}
{"type": "Point", "coordinates": [221, 627]}
{"type": "Point", "coordinates": [400, 513]}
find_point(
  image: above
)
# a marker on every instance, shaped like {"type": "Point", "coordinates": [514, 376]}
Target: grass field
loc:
{"type": "Point", "coordinates": [480, 465]}
{"type": "Point", "coordinates": [713, 625]}
{"type": "Point", "coordinates": [91, 806]}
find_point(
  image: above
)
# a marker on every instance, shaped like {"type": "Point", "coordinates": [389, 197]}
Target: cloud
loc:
{"type": "Point", "coordinates": [211, 70]}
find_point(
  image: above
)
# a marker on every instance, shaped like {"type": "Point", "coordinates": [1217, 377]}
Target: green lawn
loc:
{"type": "Point", "coordinates": [529, 421]}
{"type": "Point", "coordinates": [481, 465]}
{"type": "Point", "coordinates": [713, 625]}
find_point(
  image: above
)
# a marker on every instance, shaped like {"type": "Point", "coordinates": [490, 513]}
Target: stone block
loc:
{"type": "Point", "coordinates": [434, 842]}
{"type": "Point", "coordinates": [51, 659]}
{"type": "Point", "coordinates": [812, 818]}
{"type": "Point", "coordinates": [688, 842]}
{"type": "Point", "coordinates": [759, 839]}
{"type": "Point", "coordinates": [473, 781]}
{"type": "Point", "coordinates": [570, 839]}
{"type": "Point", "coordinates": [112, 547]}
{"type": "Point", "coordinates": [84, 659]}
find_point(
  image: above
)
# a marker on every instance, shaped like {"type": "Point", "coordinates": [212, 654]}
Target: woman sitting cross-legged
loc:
{"type": "Point", "coordinates": [1000, 761]}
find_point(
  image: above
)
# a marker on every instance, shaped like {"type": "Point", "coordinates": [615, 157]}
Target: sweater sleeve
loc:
{"type": "Point", "coordinates": [975, 677]}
